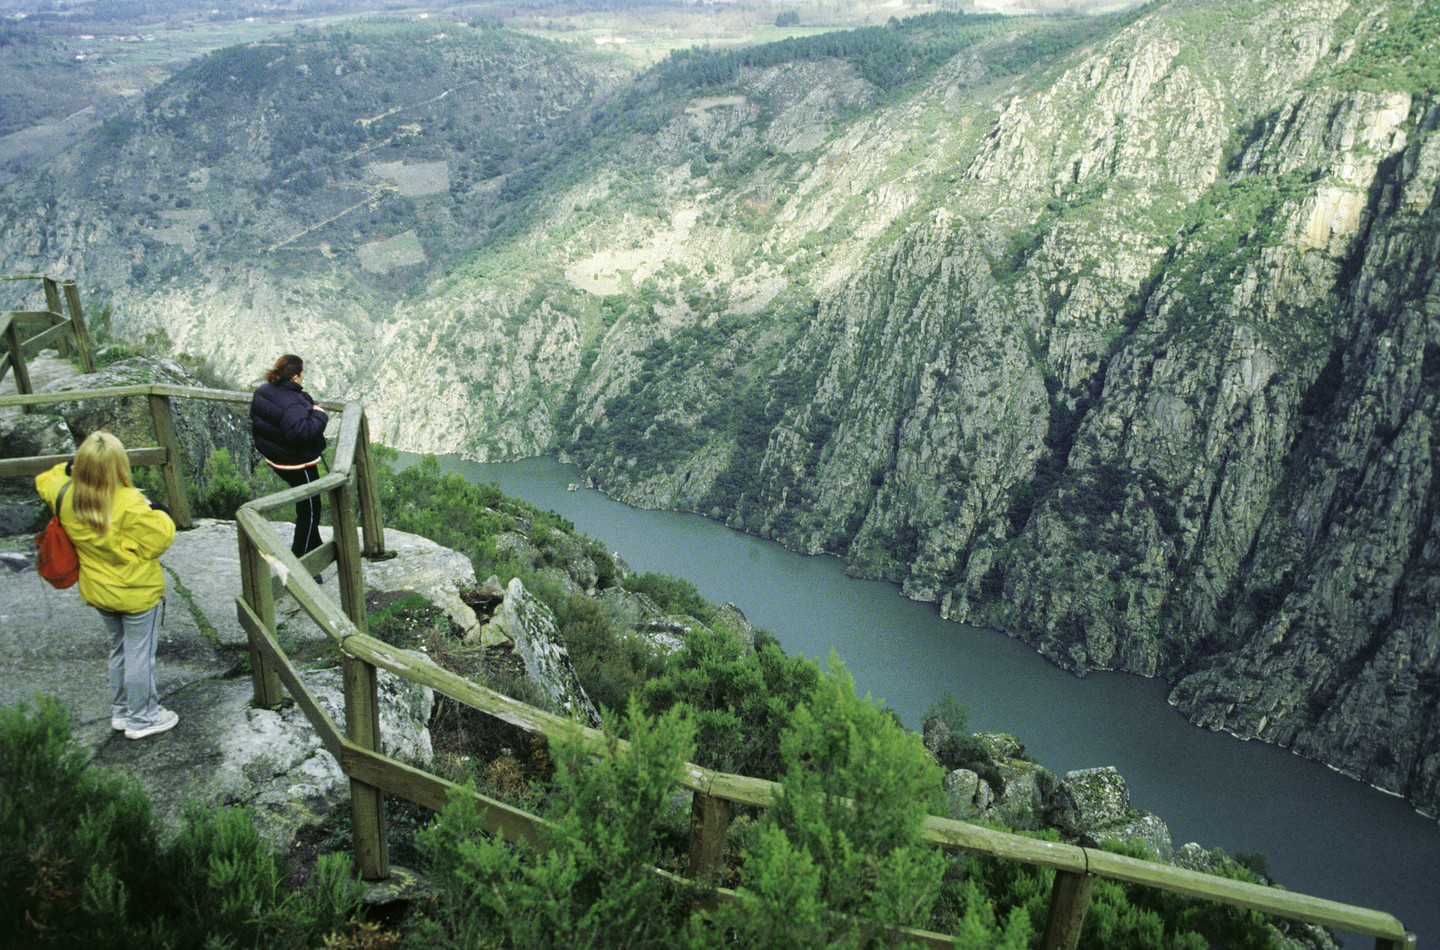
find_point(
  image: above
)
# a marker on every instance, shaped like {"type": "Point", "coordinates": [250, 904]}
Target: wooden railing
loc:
{"type": "Point", "coordinates": [63, 330]}
{"type": "Point", "coordinates": [268, 568]}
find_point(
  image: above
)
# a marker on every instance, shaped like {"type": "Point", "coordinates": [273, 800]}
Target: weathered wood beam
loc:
{"type": "Point", "coordinates": [1069, 901]}
{"type": "Point", "coordinates": [35, 464]}
{"type": "Point", "coordinates": [709, 826]}
{"type": "Point", "coordinates": [367, 803]}
{"type": "Point", "coordinates": [163, 418]}
{"type": "Point", "coordinates": [77, 326]}
{"type": "Point", "coordinates": [259, 611]}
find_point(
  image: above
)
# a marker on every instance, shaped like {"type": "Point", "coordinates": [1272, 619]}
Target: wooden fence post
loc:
{"type": "Point", "coordinates": [367, 804]}
{"type": "Point", "coordinates": [258, 593]}
{"type": "Point", "coordinates": [77, 325]}
{"type": "Point", "coordinates": [1069, 900]}
{"type": "Point", "coordinates": [370, 521]}
{"type": "Point", "coordinates": [52, 303]}
{"type": "Point", "coordinates": [164, 418]}
{"type": "Point", "coordinates": [17, 363]}
{"type": "Point", "coordinates": [347, 556]}
{"type": "Point", "coordinates": [709, 824]}
{"type": "Point", "coordinates": [1381, 943]}
{"type": "Point", "coordinates": [362, 707]}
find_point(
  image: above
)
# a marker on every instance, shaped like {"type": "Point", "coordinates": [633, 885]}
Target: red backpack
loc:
{"type": "Point", "coordinates": [55, 556]}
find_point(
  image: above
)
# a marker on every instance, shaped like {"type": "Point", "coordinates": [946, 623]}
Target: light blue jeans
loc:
{"type": "Point", "coordinates": [133, 640]}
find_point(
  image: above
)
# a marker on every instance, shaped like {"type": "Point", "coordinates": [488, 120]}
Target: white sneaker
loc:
{"type": "Point", "coordinates": [164, 722]}
{"type": "Point", "coordinates": [118, 723]}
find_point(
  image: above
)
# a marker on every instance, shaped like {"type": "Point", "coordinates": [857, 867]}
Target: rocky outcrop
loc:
{"type": "Point", "coordinates": [989, 778]}
{"type": "Point", "coordinates": [531, 626]}
{"type": "Point", "coordinates": [201, 426]}
{"type": "Point", "coordinates": [1089, 807]}
{"type": "Point", "coordinates": [224, 751]}
{"type": "Point", "coordinates": [1095, 803]}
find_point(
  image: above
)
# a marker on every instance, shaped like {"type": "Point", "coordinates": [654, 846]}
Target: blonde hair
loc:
{"type": "Point", "coordinates": [101, 467]}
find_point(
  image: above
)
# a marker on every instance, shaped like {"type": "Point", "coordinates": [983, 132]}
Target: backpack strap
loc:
{"type": "Point", "coordinates": [60, 497]}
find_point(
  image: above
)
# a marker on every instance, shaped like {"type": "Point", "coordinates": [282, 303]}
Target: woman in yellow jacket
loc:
{"type": "Point", "coordinates": [119, 537]}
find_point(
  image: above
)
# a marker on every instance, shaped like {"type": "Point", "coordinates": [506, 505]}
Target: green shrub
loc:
{"type": "Point", "coordinates": [674, 595]}
{"type": "Point", "coordinates": [841, 849]}
{"type": "Point", "coordinates": [409, 622]}
{"type": "Point", "coordinates": [1121, 916]}
{"type": "Point", "coordinates": [953, 713]}
{"type": "Point", "coordinates": [590, 884]}
{"type": "Point", "coordinates": [742, 702]}
{"type": "Point", "coordinates": [611, 666]}
{"type": "Point", "coordinates": [83, 863]}
{"type": "Point", "coordinates": [225, 488]}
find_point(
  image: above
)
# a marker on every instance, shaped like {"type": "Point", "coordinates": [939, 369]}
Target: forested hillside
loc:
{"type": "Point", "coordinates": [1117, 333]}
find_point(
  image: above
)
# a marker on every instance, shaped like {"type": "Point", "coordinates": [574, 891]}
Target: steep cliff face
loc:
{"type": "Point", "coordinates": [1148, 388]}
{"type": "Point", "coordinates": [1339, 652]}
{"type": "Point", "coordinates": [1118, 334]}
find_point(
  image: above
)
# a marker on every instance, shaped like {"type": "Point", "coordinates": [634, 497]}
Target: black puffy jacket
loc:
{"type": "Point", "coordinates": [287, 428]}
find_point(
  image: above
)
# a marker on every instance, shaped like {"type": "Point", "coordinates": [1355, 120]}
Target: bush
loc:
{"type": "Point", "coordinates": [225, 488]}
{"type": "Point", "coordinates": [841, 849]}
{"type": "Point", "coordinates": [590, 884]}
{"type": "Point", "coordinates": [1121, 916]}
{"type": "Point", "coordinates": [82, 863]}
{"type": "Point", "coordinates": [612, 667]}
{"type": "Point", "coordinates": [741, 702]}
{"type": "Point", "coordinates": [674, 595]}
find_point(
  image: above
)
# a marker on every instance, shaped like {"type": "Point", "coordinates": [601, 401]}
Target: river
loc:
{"type": "Point", "coordinates": [1322, 833]}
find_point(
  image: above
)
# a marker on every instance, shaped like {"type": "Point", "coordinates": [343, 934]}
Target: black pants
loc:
{"type": "Point", "coordinates": [307, 512]}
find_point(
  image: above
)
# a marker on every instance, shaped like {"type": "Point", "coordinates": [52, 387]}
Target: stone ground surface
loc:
{"type": "Point", "coordinates": [224, 750]}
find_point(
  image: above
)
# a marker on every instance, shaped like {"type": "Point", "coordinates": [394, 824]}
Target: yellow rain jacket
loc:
{"type": "Point", "coordinates": [119, 570]}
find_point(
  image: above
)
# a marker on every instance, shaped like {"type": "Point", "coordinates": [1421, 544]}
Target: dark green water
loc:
{"type": "Point", "coordinates": [1324, 834]}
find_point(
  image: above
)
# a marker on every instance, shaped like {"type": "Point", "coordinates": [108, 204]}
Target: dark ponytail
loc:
{"type": "Point", "coordinates": [286, 368]}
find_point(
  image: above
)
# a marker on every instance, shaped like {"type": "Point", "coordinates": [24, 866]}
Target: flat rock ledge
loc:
{"type": "Point", "coordinates": [224, 751]}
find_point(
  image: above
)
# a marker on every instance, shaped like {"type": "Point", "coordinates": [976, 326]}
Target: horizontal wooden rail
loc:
{"type": "Point", "coordinates": [47, 336]}
{"type": "Point", "coordinates": [29, 316]}
{"type": "Point", "coordinates": [1268, 900]}
{"type": "Point", "coordinates": [149, 389]}
{"type": "Point", "coordinates": [35, 464]}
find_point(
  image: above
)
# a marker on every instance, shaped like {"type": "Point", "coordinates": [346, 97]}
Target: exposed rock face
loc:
{"type": "Point", "coordinates": [531, 626]}
{"type": "Point", "coordinates": [435, 572]}
{"type": "Point", "coordinates": [21, 510]}
{"type": "Point", "coordinates": [201, 426]}
{"type": "Point", "coordinates": [1099, 797]}
{"type": "Point", "coordinates": [1132, 353]}
{"type": "Point", "coordinates": [1096, 803]}
{"type": "Point", "coordinates": [272, 760]}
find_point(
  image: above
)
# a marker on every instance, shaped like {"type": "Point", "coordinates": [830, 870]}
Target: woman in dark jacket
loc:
{"type": "Point", "coordinates": [289, 430]}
